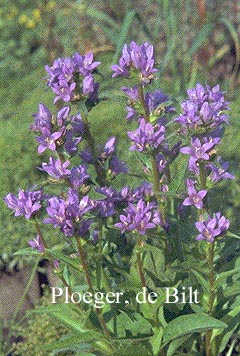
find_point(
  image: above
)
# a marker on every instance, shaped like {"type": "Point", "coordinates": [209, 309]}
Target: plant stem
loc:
{"type": "Point", "coordinates": [210, 259]}
{"type": "Point", "coordinates": [156, 178]}
{"type": "Point", "coordinates": [140, 245]}
{"type": "Point", "coordinates": [211, 294]}
{"type": "Point", "coordinates": [90, 284]}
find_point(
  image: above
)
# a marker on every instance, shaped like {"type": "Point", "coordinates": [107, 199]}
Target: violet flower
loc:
{"type": "Point", "coordinates": [78, 176]}
{"type": "Point", "coordinates": [56, 169]}
{"type": "Point", "coordinates": [205, 108]}
{"type": "Point", "coordinates": [146, 136]}
{"type": "Point", "coordinates": [154, 102]}
{"type": "Point", "coordinates": [219, 174]}
{"type": "Point", "coordinates": [37, 244]}
{"type": "Point", "coordinates": [116, 166]}
{"type": "Point", "coordinates": [194, 198]}
{"type": "Point", "coordinates": [199, 151]}
{"type": "Point", "coordinates": [139, 218]}
{"type": "Point", "coordinates": [69, 75]}
{"type": "Point", "coordinates": [212, 227]}
{"type": "Point", "coordinates": [136, 58]}
{"type": "Point", "coordinates": [43, 119]}
{"type": "Point", "coordinates": [48, 140]}
{"type": "Point", "coordinates": [26, 203]}
{"type": "Point", "coordinates": [109, 148]}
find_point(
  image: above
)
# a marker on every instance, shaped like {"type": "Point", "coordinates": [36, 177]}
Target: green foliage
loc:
{"type": "Point", "coordinates": [39, 330]}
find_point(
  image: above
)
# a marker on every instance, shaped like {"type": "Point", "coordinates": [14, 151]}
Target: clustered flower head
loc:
{"type": "Point", "coordinates": [63, 131]}
{"type": "Point", "coordinates": [205, 108]}
{"type": "Point", "coordinates": [194, 198]}
{"type": "Point", "coordinates": [204, 114]}
{"type": "Point", "coordinates": [138, 59]}
{"type": "Point", "coordinates": [157, 104]}
{"type": "Point", "coordinates": [212, 227]}
{"type": "Point", "coordinates": [27, 203]}
{"type": "Point", "coordinates": [74, 211]}
{"type": "Point", "coordinates": [71, 78]}
{"type": "Point", "coordinates": [139, 218]}
{"type": "Point", "coordinates": [147, 136]}
{"type": "Point", "coordinates": [67, 213]}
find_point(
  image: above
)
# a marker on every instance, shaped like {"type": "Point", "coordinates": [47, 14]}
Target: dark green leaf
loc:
{"type": "Point", "coordinates": [221, 278]}
{"type": "Point", "coordinates": [65, 313]}
{"type": "Point", "coordinates": [65, 344]}
{"type": "Point", "coordinates": [156, 340]}
{"type": "Point", "coordinates": [175, 344]}
{"type": "Point", "coordinates": [181, 168]}
{"type": "Point", "coordinates": [201, 280]}
{"type": "Point", "coordinates": [189, 324]}
{"type": "Point", "coordinates": [134, 349]}
{"type": "Point", "coordinates": [71, 262]}
{"type": "Point", "coordinates": [27, 252]}
{"type": "Point", "coordinates": [232, 319]}
{"type": "Point", "coordinates": [231, 234]}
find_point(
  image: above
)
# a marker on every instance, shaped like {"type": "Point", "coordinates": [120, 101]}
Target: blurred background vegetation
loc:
{"type": "Point", "coordinates": [195, 41]}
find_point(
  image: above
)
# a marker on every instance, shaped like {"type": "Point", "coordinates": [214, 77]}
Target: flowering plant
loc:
{"type": "Point", "coordinates": [141, 265]}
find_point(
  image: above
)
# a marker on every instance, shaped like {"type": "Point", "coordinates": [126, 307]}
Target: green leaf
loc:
{"type": "Point", "coordinates": [69, 343]}
{"type": "Point", "coordinates": [232, 319]}
{"type": "Point", "coordinates": [175, 344]}
{"type": "Point", "coordinates": [201, 37]}
{"type": "Point", "coordinates": [156, 340]}
{"type": "Point", "coordinates": [189, 324]}
{"type": "Point", "coordinates": [153, 264]}
{"type": "Point", "coordinates": [201, 280]}
{"type": "Point", "coordinates": [231, 234]}
{"type": "Point", "coordinates": [127, 21]}
{"type": "Point", "coordinates": [71, 262]}
{"type": "Point", "coordinates": [232, 290]}
{"type": "Point", "coordinates": [66, 314]}
{"type": "Point", "coordinates": [221, 278]}
{"type": "Point", "coordinates": [134, 349]}
{"type": "Point", "coordinates": [182, 163]}
{"type": "Point", "coordinates": [134, 323]}
{"type": "Point", "coordinates": [27, 252]}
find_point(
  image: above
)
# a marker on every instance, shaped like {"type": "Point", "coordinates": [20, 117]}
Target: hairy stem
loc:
{"type": "Point", "coordinates": [211, 294]}
{"type": "Point", "coordinates": [140, 245]}
{"type": "Point", "coordinates": [210, 259]}
{"type": "Point", "coordinates": [156, 178]}
{"type": "Point", "coordinates": [85, 268]}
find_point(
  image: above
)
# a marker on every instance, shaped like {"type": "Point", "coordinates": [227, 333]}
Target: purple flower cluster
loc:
{"type": "Point", "coordinates": [108, 156]}
{"type": "Point", "coordinates": [156, 102]}
{"type": "Point", "coordinates": [219, 173]}
{"type": "Point", "coordinates": [71, 78]}
{"type": "Point", "coordinates": [135, 58]}
{"type": "Point", "coordinates": [58, 131]}
{"type": "Point", "coordinates": [67, 214]}
{"type": "Point", "coordinates": [200, 151]}
{"type": "Point", "coordinates": [139, 218]}
{"type": "Point", "coordinates": [147, 136]}
{"type": "Point", "coordinates": [205, 108]}
{"type": "Point", "coordinates": [136, 210]}
{"type": "Point", "coordinates": [26, 203]}
{"type": "Point", "coordinates": [212, 227]}
{"type": "Point", "coordinates": [203, 112]}
{"type": "Point", "coordinates": [194, 198]}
